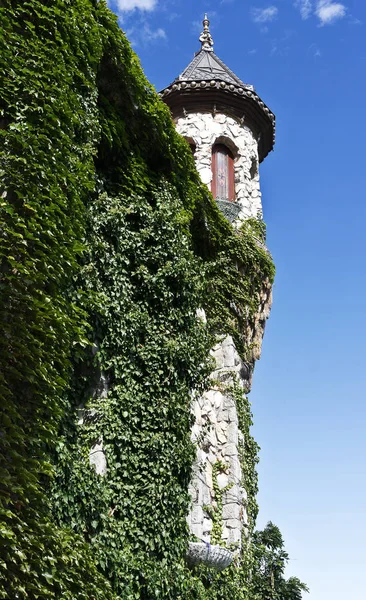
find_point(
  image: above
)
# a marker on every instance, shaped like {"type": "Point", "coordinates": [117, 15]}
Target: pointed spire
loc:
{"type": "Point", "coordinates": [206, 37]}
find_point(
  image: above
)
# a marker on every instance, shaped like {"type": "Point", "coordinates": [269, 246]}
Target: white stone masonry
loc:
{"type": "Point", "coordinates": [216, 434]}
{"type": "Point", "coordinates": [206, 129]}
{"type": "Point", "coordinates": [216, 430]}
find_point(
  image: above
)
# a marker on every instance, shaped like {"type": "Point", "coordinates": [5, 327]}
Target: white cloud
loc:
{"type": "Point", "coordinates": [314, 50]}
{"type": "Point", "coordinates": [305, 7]}
{"type": "Point", "coordinates": [263, 15]}
{"type": "Point", "coordinates": [328, 11]}
{"type": "Point", "coordinates": [144, 35]}
{"type": "Point", "coordinates": [128, 5]}
{"type": "Point", "coordinates": [196, 27]}
{"type": "Point", "coordinates": [151, 35]}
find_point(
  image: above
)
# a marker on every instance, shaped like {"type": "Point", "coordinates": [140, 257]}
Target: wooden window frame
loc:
{"type": "Point", "coordinates": [230, 171]}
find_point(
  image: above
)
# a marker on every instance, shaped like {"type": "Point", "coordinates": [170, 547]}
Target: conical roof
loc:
{"type": "Point", "coordinates": [207, 84]}
{"type": "Point", "coordinates": [207, 66]}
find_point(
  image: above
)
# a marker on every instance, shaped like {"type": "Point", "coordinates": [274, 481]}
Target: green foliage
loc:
{"type": "Point", "coordinates": [238, 266]}
{"type": "Point", "coordinates": [150, 343]}
{"type": "Point", "coordinates": [248, 451]}
{"type": "Point", "coordinates": [258, 574]}
{"type": "Point", "coordinates": [109, 244]}
{"type": "Point", "coordinates": [270, 559]}
{"type": "Point", "coordinates": [215, 512]}
{"type": "Point", "coordinates": [48, 132]}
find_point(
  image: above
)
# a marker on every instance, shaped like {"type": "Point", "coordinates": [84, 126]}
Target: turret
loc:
{"type": "Point", "coordinates": [230, 131]}
{"type": "Point", "coordinates": [228, 126]}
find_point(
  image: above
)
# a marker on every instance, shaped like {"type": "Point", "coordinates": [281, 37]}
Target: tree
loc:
{"type": "Point", "coordinates": [270, 560]}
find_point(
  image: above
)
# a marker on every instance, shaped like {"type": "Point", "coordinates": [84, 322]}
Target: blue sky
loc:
{"type": "Point", "coordinates": [307, 61]}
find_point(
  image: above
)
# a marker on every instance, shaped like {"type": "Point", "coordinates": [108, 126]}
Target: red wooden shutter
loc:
{"type": "Point", "coordinates": [223, 187]}
{"type": "Point", "coordinates": [231, 177]}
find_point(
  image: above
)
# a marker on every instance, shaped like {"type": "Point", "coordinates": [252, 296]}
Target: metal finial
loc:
{"type": "Point", "coordinates": [206, 37]}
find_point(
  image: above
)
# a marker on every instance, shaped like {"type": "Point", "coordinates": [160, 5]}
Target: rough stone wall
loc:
{"type": "Point", "coordinates": [216, 430]}
{"type": "Point", "coordinates": [205, 129]}
{"type": "Point", "coordinates": [216, 433]}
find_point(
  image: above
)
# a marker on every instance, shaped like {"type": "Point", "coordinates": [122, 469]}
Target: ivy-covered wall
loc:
{"type": "Point", "coordinates": [109, 245]}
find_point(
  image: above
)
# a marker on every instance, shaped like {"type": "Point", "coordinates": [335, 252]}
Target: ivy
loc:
{"type": "Point", "coordinates": [109, 245]}
{"type": "Point", "coordinates": [150, 343]}
{"type": "Point", "coordinates": [48, 135]}
{"type": "Point", "coordinates": [248, 451]}
{"type": "Point", "coordinates": [215, 511]}
{"type": "Point", "coordinates": [238, 270]}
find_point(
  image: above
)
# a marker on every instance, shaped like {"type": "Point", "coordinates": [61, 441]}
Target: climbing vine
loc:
{"type": "Point", "coordinates": [48, 132]}
{"type": "Point", "coordinates": [248, 451]}
{"type": "Point", "coordinates": [109, 245]}
{"type": "Point", "coordinates": [215, 512]}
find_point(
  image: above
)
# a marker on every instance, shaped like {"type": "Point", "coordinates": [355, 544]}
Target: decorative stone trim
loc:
{"type": "Point", "coordinates": [214, 557]}
{"type": "Point", "coordinates": [248, 92]}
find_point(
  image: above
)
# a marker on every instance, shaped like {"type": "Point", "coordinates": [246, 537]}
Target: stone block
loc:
{"type": "Point", "coordinates": [244, 517]}
{"type": "Point", "coordinates": [228, 357]}
{"type": "Point", "coordinates": [206, 496]}
{"type": "Point", "coordinates": [243, 494]}
{"type": "Point", "coordinates": [232, 416]}
{"type": "Point", "coordinates": [217, 353]}
{"type": "Point", "coordinates": [206, 175]}
{"type": "Point", "coordinates": [233, 524]}
{"type": "Point", "coordinates": [212, 455]}
{"type": "Point", "coordinates": [233, 495]}
{"type": "Point", "coordinates": [197, 411]}
{"type": "Point", "coordinates": [210, 395]}
{"type": "Point", "coordinates": [197, 514]}
{"type": "Point", "coordinates": [232, 434]}
{"type": "Point", "coordinates": [229, 403]}
{"type": "Point", "coordinates": [202, 456]}
{"type": "Point", "coordinates": [218, 399]}
{"type": "Point", "coordinates": [201, 315]}
{"type": "Point", "coordinates": [221, 432]}
{"type": "Point", "coordinates": [98, 460]}
{"type": "Point", "coordinates": [222, 480]}
{"type": "Point", "coordinates": [215, 128]}
{"type": "Point", "coordinates": [213, 417]}
{"type": "Point", "coordinates": [196, 529]}
{"type": "Point", "coordinates": [207, 526]}
{"type": "Point", "coordinates": [223, 415]}
{"type": "Point", "coordinates": [227, 341]}
{"type": "Point", "coordinates": [234, 536]}
{"type": "Point", "coordinates": [220, 118]}
{"type": "Point", "coordinates": [206, 408]}
{"type": "Point", "coordinates": [230, 450]}
{"type": "Point", "coordinates": [196, 432]}
{"type": "Point", "coordinates": [208, 475]}
{"type": "Point", "coordinates": [231, 511]}
{"type": "Point", "coordinates": [235, 469]}
{"type": "Point", "coordinates": [212, 436]}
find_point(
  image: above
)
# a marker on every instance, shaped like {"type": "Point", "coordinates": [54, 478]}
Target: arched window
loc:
{"type": "Point", "coordinates": [222, 173]}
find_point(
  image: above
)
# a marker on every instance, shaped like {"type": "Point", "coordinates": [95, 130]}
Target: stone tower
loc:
{"type": "Point", "coordinates": [230, 131]}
